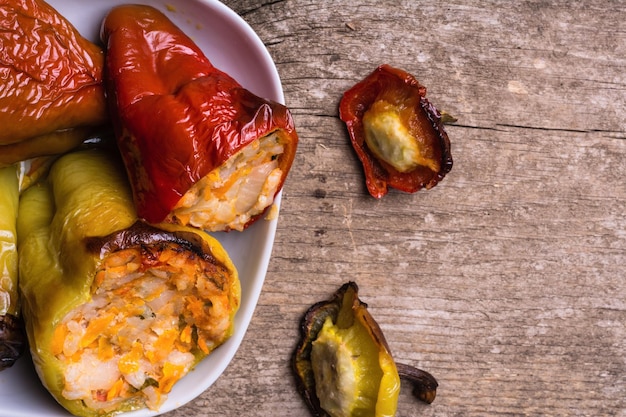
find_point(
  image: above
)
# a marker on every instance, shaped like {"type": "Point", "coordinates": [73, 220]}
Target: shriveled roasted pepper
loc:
{"type": "Point", "coordinates": [343, 365]}
{"type": "Point", "coordinates": [199, 148]}
{"type": "Point", "coordinates": [12, 341]}
{"type": "Point", "coordinates": [116, 311]}
{"type": "Point", "coordinates": [396, 132]}
{"type": "Point", "coordinates": [13, 180]}
{"type": "Point", "coordinates": [51, 90]}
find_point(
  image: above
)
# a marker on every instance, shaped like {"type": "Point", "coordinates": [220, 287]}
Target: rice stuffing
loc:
{"type": "Point", "coordinates": [240, 189]}
{"type": "Point", "coordinates": [154, 310]}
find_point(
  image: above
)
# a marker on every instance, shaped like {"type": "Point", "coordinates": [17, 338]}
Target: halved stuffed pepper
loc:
{"type": "Point", "coordinates": [116, 311]}
{"type": "Point", "coordinates": [199, 148]}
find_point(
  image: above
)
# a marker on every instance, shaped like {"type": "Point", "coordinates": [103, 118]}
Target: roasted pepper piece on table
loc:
{"type": "Point", "coordinates": [343, 365]}
{"type": "Point", "coordinates": [12, 341]}
{"type": "Point", "coordinates": [51, 90]}
{"type": "Point", "coordinates": [199, 148]}
{"type": "Point", "coordinates": [116, 311]}
{"type": "Point", "coordinates": [396, 132]}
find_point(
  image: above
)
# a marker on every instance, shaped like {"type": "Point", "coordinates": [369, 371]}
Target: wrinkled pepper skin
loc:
{"type": "Point", "coordinates": [177, 116]}
{"type": "Point", "coordinates": [346, 310]}
{"type": "Point", "coordinates": [12, 341]}
{"type": "Point", "coordinates": [67, 224]}
{"type": "Point", "coordinates": [51, 88]}
{"type": "Point", "coordinates": [405, 96]}
{"type": "Point", "coordinates": [46, 145]}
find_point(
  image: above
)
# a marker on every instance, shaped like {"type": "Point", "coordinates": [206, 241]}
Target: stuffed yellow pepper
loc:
{"type": "Point", "coordinates": [116, 311]}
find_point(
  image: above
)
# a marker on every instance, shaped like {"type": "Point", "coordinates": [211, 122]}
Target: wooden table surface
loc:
{"type": "Point", "coordinates": [506, 281]}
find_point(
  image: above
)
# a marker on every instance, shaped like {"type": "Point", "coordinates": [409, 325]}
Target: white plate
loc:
{"type": "Point", "coordinates": [233, 47]}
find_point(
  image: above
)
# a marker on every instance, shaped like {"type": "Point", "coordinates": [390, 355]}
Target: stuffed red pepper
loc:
{"type": "Point", "coordinates": [199, 149]}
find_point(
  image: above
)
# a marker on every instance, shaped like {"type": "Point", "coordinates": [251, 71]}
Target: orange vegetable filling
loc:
{"type": "Point", "coordinates": [154, 311]}
{"type": "Point", "coordinates": [230, 195]}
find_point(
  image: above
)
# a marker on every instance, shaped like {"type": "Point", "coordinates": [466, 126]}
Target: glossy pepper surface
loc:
{"type": "Point", "coordinates": [81, 252]}
{"type": "Point", "coordinates": [11, 337]}
{"type": "Point", "coordinates": [51, 89]}
{"type": "Point", "coordinates": [177, 116]}
{"type": "Point", "coordinates": [396, 132]}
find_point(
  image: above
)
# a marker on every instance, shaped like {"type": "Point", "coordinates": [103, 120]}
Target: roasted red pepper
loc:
{"type": "Point", "coordinates": [178, 119]}
{"type": "Point", "coordinates": [51, 89]}
{"type": "Point", "coordinates": [396, 132]}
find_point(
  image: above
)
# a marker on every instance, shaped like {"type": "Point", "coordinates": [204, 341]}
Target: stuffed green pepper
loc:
{"type": "Point", "coordinates": [11, 335]}
{"type": "Point", "coordinates": [116, 310]}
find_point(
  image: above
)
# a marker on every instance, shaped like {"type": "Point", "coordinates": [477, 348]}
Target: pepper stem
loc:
{"type": "Point", "coordinates": [447, 118]}
{"type": "Point", "coordinates": [424, 384]}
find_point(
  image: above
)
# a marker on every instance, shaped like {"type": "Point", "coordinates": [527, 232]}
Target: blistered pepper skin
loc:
{"type": "Point", "coordinates": [177, 116]}
{"type": "Point", "coordinates": [400, 90]}
{"type": "Point", "coordinates": [51, 82]}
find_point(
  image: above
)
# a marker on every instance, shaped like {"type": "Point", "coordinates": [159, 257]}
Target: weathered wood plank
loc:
{"type": "Point", "coordinates": [506, 281]}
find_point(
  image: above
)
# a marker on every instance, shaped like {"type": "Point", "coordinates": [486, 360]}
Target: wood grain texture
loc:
{"type": "Point", "coordinates": [506, 281]}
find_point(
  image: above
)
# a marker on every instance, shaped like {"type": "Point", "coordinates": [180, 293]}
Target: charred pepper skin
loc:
{"type": "Point", "coordinates": [12, 340]}
{"type": "Point", "coordinates": [400, 93]}
{"type": "Point", "coordinates": [177, 116]}
{"type": "Point", "coordinates": [346, 310]}
{"type": "Point", "coordinates": [51, 92]}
